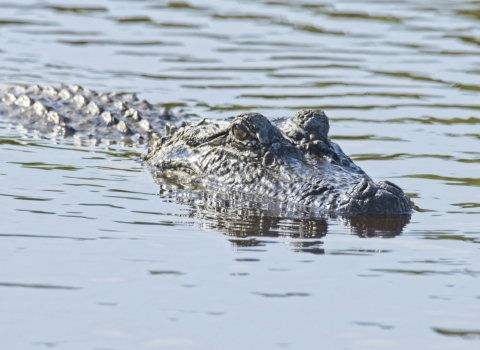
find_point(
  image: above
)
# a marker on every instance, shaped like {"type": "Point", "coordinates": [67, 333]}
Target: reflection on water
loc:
{"type": "Point", "coordinates": [82, 225]}
{"type": "Point", "coordinates": [242, 218]}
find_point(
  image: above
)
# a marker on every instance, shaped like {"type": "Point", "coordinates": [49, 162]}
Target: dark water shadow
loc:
{"type": "Point", "coordinates": [249, 221]}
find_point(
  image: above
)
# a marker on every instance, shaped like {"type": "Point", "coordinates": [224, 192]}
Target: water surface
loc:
{"type": "Point", "coordinates": [96, 255]}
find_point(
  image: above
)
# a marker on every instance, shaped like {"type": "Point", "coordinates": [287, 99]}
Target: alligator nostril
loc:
{"type": "Point", "coordinates": [390, 187]}
{"type": "Point", "coordinates": [362, 190]}
{"type": "Point", "coordinates": [363, 187]}
{"type": "Point", "coordinates": [393, 185]}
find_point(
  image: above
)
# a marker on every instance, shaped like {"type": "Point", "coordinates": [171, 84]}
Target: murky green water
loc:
{"type": "Point", "coordinates": [95, 255]}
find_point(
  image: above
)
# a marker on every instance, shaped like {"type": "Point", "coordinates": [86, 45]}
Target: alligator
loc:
{"type": "Point", "coordinates": [286, 160]}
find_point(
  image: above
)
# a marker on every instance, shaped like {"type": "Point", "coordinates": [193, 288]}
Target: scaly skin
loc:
{"type": "Point", "coordinates": [73, 110]}
{"type": "Point", "coordinates": [290, 161]}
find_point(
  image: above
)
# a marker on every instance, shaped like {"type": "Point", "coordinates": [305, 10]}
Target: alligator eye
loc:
{"type": "Point", "coordinates": [240, 133]}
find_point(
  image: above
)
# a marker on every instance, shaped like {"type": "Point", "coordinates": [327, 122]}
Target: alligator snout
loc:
{"type": "Point", "coordinates": [382, 198]}
{"type": "Point", "coordinates": [363, 190]}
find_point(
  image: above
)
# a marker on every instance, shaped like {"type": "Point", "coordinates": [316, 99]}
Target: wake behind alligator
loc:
{"type": "Point", "coordinates": [284, 160]}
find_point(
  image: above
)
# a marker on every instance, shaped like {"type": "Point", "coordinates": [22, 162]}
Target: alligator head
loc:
{"type": "Point", "coordinates": [291, 161]}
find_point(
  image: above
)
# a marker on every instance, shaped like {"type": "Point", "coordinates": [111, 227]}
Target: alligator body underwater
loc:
{"type": "Point", "coordinates": [285, 160]}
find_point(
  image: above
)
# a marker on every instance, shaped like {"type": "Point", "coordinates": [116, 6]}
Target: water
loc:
{"type": "Point", "coordinates": [96, 255]}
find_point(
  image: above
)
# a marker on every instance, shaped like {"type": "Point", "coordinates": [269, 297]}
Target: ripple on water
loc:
{"type": "Point", "coordinates": [462, 333]}
{"type": "Point", "coordinates": [399, 81]}
{"type": "Point", "coordinates": [37, 286]}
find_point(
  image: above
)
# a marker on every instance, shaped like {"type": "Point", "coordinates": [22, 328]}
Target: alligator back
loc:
{"type": "Point", "coordinates": [73, 110]}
